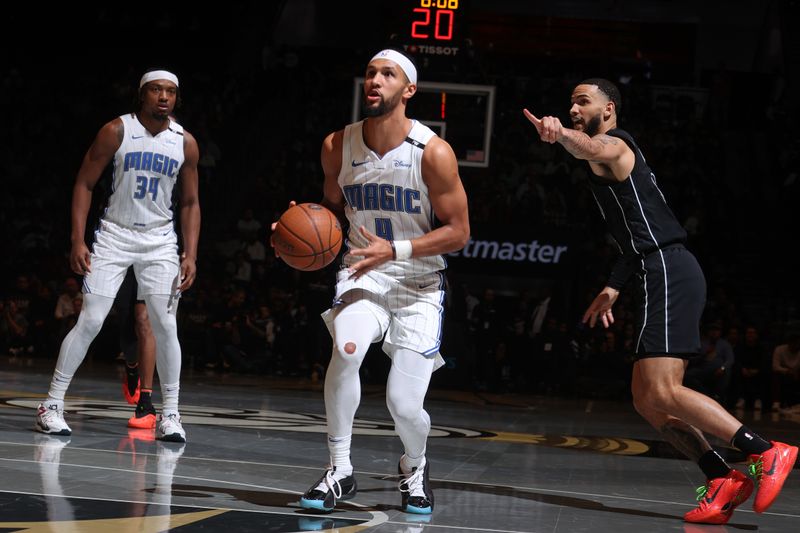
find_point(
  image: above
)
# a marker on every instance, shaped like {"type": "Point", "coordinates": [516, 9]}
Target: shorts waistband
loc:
{"type": "Point", "coordinates": [157, 226]}
{"type": "Point", "coordinates": [673, 246]}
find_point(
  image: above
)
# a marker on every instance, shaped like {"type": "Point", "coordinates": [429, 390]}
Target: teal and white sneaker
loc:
{"type": "Point", "coordinates": [330, 488]}
{"type": "Point", "coordinates": [415, 489]}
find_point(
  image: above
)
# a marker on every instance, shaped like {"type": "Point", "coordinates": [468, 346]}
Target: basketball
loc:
{"type": "Point", "coordinates": [307, 237]}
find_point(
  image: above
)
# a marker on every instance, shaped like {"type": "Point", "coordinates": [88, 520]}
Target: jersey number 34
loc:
{"type": "Point", "coordinates": [145, 186]}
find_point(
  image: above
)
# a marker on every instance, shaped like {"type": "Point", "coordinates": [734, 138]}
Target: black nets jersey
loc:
{"type": "Point", "coordinates": [635, 210]}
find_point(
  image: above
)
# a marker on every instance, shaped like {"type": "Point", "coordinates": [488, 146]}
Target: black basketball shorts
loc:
{"type": "Point", "coordinates": [671, 301]}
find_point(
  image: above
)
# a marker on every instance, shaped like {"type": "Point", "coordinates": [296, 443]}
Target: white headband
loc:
{"type": "Point", "coordinates": [158, 75]}
{"type": "Point", "coordinates": [402, 61]}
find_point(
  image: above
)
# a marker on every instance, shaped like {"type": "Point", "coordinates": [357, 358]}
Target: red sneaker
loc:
{"type": "Point", "coordinates": [143, 418]}
{"type": "Point", "coordinates": [132, 399]}
{"type": "Point", "coordinates": [145, 422]}
{"type": "Point", "coordinates": [719, 497]}
{"type": "Point", "coordinates": [770, 470]}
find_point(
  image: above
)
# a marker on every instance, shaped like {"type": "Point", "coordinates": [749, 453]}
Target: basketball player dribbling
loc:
{"type": "Point", "coordinates": [673, 289]}
{"type": "Point", "coordinates": [391, 177]}
{"type": "Point", "coordinates": [151, 154]}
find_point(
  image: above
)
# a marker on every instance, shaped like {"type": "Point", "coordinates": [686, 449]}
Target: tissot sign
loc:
{"type": "Point", "coordinates": [545, 254]}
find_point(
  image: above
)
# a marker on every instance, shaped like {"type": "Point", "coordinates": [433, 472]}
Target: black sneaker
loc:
{"type": "Point", "coordinates": [324, 494]}
{"type": "Point", "coordinates": [415, 489]}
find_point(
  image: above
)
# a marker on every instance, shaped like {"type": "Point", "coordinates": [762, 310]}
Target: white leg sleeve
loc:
{"type": "Point", "coordinates": [168, 350]}
{"type": "Point", "coordinates": [405, 394]}
{"type": "Point", "coordinates": [354, 329]}
{"type": "Point", "coordinates": [94, 311]}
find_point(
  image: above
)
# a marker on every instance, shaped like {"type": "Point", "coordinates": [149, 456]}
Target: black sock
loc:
{"type": "Point", "coordinates": [713, 465]}
{"type": "Point", "coordinates": [749, 442]}
{"type": "Point", "coordinates": [132, 372]}
{"type": "Point", "coordinates": [145, 405]}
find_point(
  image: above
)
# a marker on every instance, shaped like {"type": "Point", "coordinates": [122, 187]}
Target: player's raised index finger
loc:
{"type": "Point", "coordinates": [530, 116]}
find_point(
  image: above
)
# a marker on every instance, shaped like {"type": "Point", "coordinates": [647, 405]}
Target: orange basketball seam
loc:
{"type": "Point", "coordinates": [313, 224]}
{"type": "Point", "coordinates": [321, 252]}
{"type": "Point", "coordinates": [299, 234]}
{"type": "Point", "coordinates": [299, 238]}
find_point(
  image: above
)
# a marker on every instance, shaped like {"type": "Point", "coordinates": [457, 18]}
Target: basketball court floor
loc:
{"type": "Point", "coordinates": [499, 463]}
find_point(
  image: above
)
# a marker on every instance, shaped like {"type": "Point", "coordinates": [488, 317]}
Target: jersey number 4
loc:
{"type": "Point", "coordinates": [383, 228]}
{"type": "Point", "coordinates": [146, 186]}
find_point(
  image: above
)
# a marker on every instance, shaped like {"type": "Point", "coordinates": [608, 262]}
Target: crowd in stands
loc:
{"type": "Point", "coordinates": [259, 126]}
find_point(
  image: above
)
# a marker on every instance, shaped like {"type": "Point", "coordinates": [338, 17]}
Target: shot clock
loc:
{"type": "Point", "coordinates": [435, 33]}
{"type": "Point", "coordinates": [434, 19]}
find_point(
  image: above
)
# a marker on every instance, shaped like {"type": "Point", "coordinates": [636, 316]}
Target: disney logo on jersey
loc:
{"type": "Point", "coordinates": [402, 164]}
{"type": "Point", "coordinates": [151, 162]}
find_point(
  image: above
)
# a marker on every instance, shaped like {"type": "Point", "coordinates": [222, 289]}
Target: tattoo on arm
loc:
{"type": "Point", "coordinates": [685, 438]}
{"type": "Point", "coordinates": [606, 139]}
{"type": "Point", "coordinates": [578, 144]}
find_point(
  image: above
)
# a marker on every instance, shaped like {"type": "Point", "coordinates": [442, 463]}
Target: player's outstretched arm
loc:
{"type": "Point", "coordinates": [601, 149]}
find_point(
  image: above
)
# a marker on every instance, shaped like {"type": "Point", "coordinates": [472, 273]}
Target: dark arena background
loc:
{"type": "Point", "coordinates": [533, 424]}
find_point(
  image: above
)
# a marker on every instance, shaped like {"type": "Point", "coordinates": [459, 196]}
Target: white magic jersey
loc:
{"type": "Point", "coordinates": [388, 196]}
{"type": "Point", "coordinates": [145, 171]}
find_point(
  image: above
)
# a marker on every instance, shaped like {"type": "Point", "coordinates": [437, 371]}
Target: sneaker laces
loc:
{"type": "Point", "coordinates": [756, 468]}
{"type": "Point", "coordinates": [330, 483]}
{"type": "Point", "coordinates": [172, 420]}
{"type": "Point", "coordinates": [701, 491]}
{"type": "Point", "coordinates": [52, 412]}
{"type": "Point", "coordinates": [413, 483]}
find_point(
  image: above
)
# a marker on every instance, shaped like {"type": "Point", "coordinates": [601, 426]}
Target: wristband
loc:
{"type": "Point", "coordinates": [401, 250]}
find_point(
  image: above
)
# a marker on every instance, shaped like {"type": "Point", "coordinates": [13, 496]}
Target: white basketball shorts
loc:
{"type": "Point", "coordinates": [152, 252]}
{"type": "Point", "coordinates": [410, 311]}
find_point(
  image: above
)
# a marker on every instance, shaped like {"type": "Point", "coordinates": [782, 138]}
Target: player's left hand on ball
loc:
{"type": "Point", "coordinates": [292, 203]}
{"type": "Point", "coordinates": [377, 252]}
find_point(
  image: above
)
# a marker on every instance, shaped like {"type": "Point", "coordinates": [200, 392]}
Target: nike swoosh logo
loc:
{"type": "Point", "coordinates": [711, 499]}
{"type": "Point", "coordinates": [136, 136]}
{"type": "Point", "coordinates": [357, 164]}
{"type": "Point", "coordinates": [771, 468]}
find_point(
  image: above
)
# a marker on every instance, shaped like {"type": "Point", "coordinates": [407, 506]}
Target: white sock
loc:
{"type": "Point", "coordinates": [339, 448]}
{"type": "Point", "coordinates": [58, 388]}
{"type": "Point", "coordinates": [50, 402]}
{"type": "Point", "coordinates": [407, 463]}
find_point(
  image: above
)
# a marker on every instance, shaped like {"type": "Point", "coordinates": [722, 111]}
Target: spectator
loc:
{"type": "Point", "coordinates": [711, 372]}
{"type": "Point", "coordinates": [751, 370]}
{"type": "Point", "coordinates": [786, 372]}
